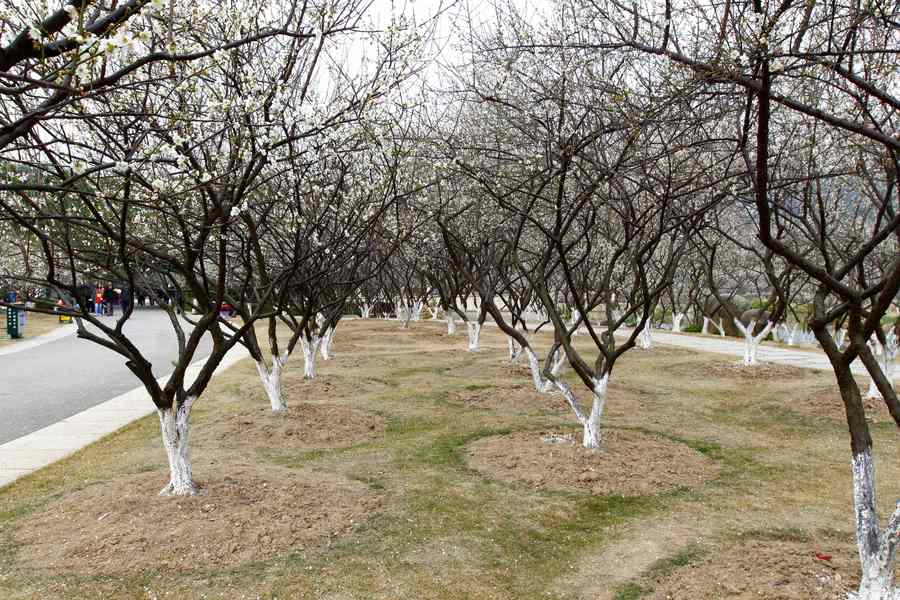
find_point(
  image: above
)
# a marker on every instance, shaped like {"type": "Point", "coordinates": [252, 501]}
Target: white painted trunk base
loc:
{"type": "Point", "coordinates": [877, 549]}
{"type": "Point", "coordinates": [366, 310]}
{"type": "Point", "coordinates": [271, 380]}
{"type": "Point", "coordinates": [751, 342]}
{"type": "Point", "coordinates": [645, 338]}
{"type": "Point", "coordinates": [173, 424]}
{"type": "Point", "coordinates": [592, 422]}
{"type": "Point", "coordinates": [310, 349]}
{"type": "Point", "coordinates": [325, 343]}
{"type": "Point", "coordinates": [474, 335]}
{"type": "Point", "coordinates": [676, 322]}
{"type": "Point", "coordinates": [451, 324]}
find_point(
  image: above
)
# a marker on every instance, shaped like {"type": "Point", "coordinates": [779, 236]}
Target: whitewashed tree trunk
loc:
{"type": "Point", "coordinates": [885, 355]}
{"type": "Point", "coordinates": [705, 330]}
{"type": "Point", "coordinates": [574, 319]}
{"type": "Point", "coordinates": [792, 338]}
{"type": "Point", "coordinates": [451, 323]}
{"type": "Point", "coordinates": [474, 335]}
{"type": "Point", "coordinates": [676, 322]}
{"type": "Point", "coordinates": [592, 422]}
{"type": "Point", "coordinates": [535, 366]}
{"type": "Point", "coordinates": [645, 338]}
{"type": "Point", "coordinates": [325, 343]}
{"type": "Point", "coordinates": [751, 342]}
{"type": "Point", "coordinates": [271, 380]}
{"type": "Point", "coordinates": [877, 549]}
{"type": "Point", "coordinates": [366, 310]}
{"type": "Point", "coordinates": [173, 424]}
{"type": "Point", "coordinates": [434, 312]}
{"type": "Point", "coordinates": [839, 338]}
{"type": "Point", "coordinates": [417, 311]}
{"type": "Point", "coordinates": [559, 358]}
{"type": "Point", "coordinates": [515, 351]}
{"type": "Point", "coordinates": [310, 349]}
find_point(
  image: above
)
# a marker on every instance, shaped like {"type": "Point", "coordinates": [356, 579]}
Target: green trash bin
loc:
{"type": "Point", "coordinates": [15, 322]}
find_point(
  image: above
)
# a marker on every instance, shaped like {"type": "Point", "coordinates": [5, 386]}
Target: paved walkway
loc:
{"type": "Point", "coordinates": [58, 378]}
{"type": "Point", "coordinates": [807, 359]}
{"type": "Point", "coordinates": [27, 344]}
{"type": "Point", "coordinates": [48, 445]}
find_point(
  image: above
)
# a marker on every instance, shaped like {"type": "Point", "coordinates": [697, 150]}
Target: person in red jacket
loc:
{"type": "Point", "coordinates": [98, 301]}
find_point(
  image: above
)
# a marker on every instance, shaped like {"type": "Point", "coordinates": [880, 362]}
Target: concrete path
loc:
{"type": "Point", "coordinates": [29, 343]}
{"type": "Point", "coordinates": [41, 385]}
{"type": "Point", "coordinates": [48, 445]}
{"type": "Point", "coordinates": [807, 359]}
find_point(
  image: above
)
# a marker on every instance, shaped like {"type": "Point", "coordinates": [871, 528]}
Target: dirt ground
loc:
{"type": "Point", "coordinates": [410, 468]}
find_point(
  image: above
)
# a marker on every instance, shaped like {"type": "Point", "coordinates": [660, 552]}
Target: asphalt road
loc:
{"type": "Point", "coordinates": [42, 385]}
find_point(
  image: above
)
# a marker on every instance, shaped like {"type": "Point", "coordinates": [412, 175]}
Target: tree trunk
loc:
{"type": "Point", "coordinates": [173, 424]}
{"type": "Point", "coordinates": [325, 343]}
{"type": "Point", "coordinates": [310, 349]}
{"type": "Point", "coordinates": [751, 342]}
{"type": "Point", "coordinates": [271, 380]}
{"type": "Point", "coordinates": [645, 339]}
{"type": "Point", "coordinates": [417, 311]}
{"type": "Point", "coordinates": [474, 334]}
{"type": "Point", "coordinates": [705, 330]}
{"type": "Point", "coordinates": [451, 323]}
{"type": "Point", "coordinates": [591, 423]}
{"type": "Point", "coordinates": [514, 349]}
{"type": "Point", "coordinates": [558, 359]}
{"type": "Point", "coordinates": [366, 310]}
{"type": "Point", "coordinates": [592, 437]}
{"type": "Point", "coordinates": [676, 322]}
{"type": "Point", "coordinates": [877, 549]}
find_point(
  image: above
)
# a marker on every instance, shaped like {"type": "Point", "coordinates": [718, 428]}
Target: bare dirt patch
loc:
{"type": "Point", "coordinates": [302, 425]}
{"type": "Point", "coordinates": [251, 513]}
{"type": "Point", "coordinates": [774, 570]}
{"type": "Point", "coordinates": [631, 463]}
{"type": "Point", "coordinates": [708, 368]}
{"type": "Point", "coordinates": [826, 401]}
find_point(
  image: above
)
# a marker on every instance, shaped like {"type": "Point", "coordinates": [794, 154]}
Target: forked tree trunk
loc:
{"type": "Point", "coordinates": [676, 322]}
{"type": "Point", "coordinates": [366, 310]}
{"type": "Point", "coordinates": [474, 328]}
{"type": "Point", "coordinates": [451, 323]}
{"type": "Point", "coordinates": [310, 349]}
{"type": "Point", "coordinates": [173, 424]}
{"type": "Point", "coordinates": [751, 342]}
{"type": "Point", "coordinates": [417, 311]}
{"type": "Point", "coordinates": [559, 358]}
{"type": "Point", "coordinates": [271, 380]}
{"type": "Point", "coordinates": [325, 343]}
{"type": "Point", "coordinates": [591, 423]}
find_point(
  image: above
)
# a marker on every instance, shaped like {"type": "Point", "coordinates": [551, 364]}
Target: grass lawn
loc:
{"type": "Point", "coordinates": [411, 468]}
{"type": "Point", "coordinates": [36, 324]}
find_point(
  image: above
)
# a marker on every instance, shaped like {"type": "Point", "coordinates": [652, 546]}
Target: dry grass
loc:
{"type": "Point", "coordinates": [36, 324]}
{"type": "Point", "coordinates": [368, 487]}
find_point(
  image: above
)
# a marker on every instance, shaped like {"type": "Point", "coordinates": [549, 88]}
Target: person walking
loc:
{"type": "Point", "coordinates": [109, 296]}
{"type": "Point", "coordinates": [98, 300]}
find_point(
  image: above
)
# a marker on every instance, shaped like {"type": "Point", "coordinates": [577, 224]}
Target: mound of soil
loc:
{"type": "Point", "coordinates": [826, 401]}
{"type": "Point", "coordinates": [302, 425]}
{"type": "Point", "coordinates": [253, 513]}
{"type": "Point", "coordinates": [631, 463]}
{"type": "Point", "coordinates": [734, 369]}
{"type": "Point", "coordinates": [757, 569]}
